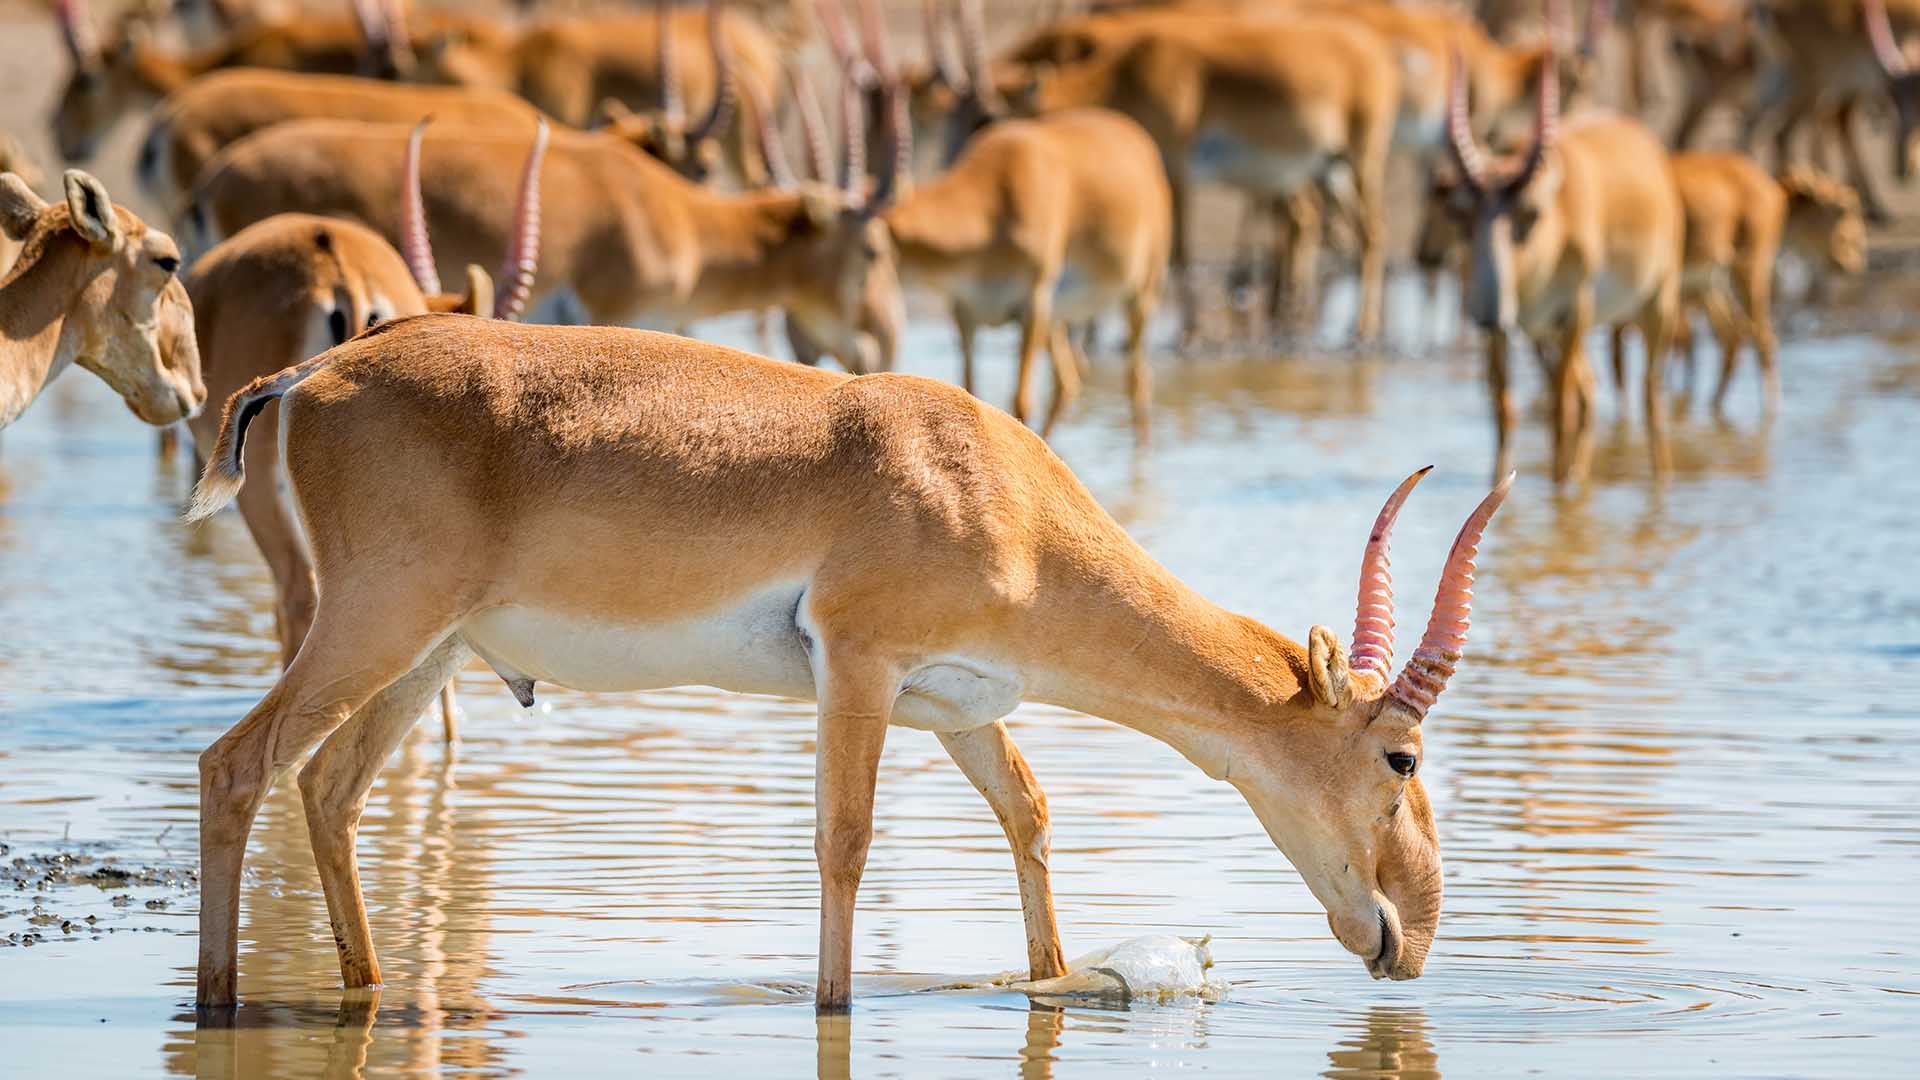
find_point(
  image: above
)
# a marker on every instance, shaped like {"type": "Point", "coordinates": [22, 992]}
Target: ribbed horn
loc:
{"type": "Point", "coordinates": [853, 131]}
{"type": "Point", "coordinates": [1432, 664]}
{"type": "Point", "coordinates": [721, 111]}
{"type": "Point", "coordinates": [76, 26]}
{"type": "Point", "coordinates": [1546, 118]}
{"type": "Point", "coordinates": [523, 251]}
{"type": "Point", "coordinates": [1599, 17]}
{"type": "Point", "coordinates": [671, 107]}
{"type": "Point", "coordinates": [414, 243]}
{"type": "Point", "coordinates": [973, 48]}
{"type": "Point", "coordinates": [1466, 151]}
{"type": "Point", "coordinates": [813, 125]}
{"type": "Point", "coordinates": [1373, 614]}
{"type": "Point", "coordinates": [772, 151]}
{"type": "Point", "coordinates": [946, 67]}
{"type": "Point", "coordinates": [1886, 48]}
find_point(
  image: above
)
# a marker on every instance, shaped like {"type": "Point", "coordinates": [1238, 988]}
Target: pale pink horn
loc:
{"type": "Point", "coordinates": [1432, 664]}
{"type": "Point", "coordinates": [523, 250]}
{"type": "Point", "coordinates": [414, 244]}
{"type": "Point", "coordinates": [1886, 48]}
{"type": "Point", "coordinates": [1373, 617]}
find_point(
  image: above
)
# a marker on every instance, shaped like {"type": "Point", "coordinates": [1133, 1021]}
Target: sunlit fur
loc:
{"type": "Point", "coordinates": [92, 286]}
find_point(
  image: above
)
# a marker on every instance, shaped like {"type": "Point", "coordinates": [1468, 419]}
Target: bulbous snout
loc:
{"type": "Point", "coordinates": [1373, 932]}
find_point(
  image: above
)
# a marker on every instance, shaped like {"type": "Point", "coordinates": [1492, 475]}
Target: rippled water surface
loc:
{"type": "Point", "coordinates": [1675, 781]}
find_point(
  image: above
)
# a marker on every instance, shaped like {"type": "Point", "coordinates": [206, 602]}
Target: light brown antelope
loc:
{"type": "Point", "coordinates": [693, 149]}
{"type": "Point", "coordinates": [1582, 229]}
{"type": "Point", "coordinates": [129, 72]}
{"type": "Point", "coordinates": [570, 66]}
{"type": "Point", "coordinates": [1266, 108]}
{"type": "Point", "coordinates": [624, 236]}
{"type": "Point", "coordinates": [93, 286]}
{"type": "Point", "coordinates": [215, 110]}
{"type": "Point", "coordinates": [1045, 222]}
{"type": "Point", "coordinates": [1736, 220]}
{"type": "Point", "coordinates": [295, 285]}
{"type": "Point", "coordinates": [884, 545]}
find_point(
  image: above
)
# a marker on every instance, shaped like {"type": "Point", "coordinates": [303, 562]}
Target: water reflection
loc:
{"type": "Point", "coordinates": [1391, 1045]}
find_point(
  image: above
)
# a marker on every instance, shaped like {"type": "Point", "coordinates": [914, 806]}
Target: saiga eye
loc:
{"type": "Point", "coordinates": [1404, 764]}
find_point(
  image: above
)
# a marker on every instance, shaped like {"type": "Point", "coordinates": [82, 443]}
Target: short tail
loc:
{"type": "Point", "coordinates": [226, 468]}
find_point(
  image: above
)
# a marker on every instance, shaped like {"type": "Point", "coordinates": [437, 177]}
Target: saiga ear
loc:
{"type": "Point", "coordinates": [1327, 668]}
{"type": "Point", "coordinates": [479, 299]}
{"type": "Point", "coordinates": [93, 216]}
{"type": "Point", "coordinates": [19, 207]}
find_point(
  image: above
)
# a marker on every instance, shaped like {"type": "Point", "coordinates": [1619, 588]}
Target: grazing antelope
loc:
{"type": "Point", "coordinates": [93, 286]}
{"type": "Point", "coordinates": [884, 545]}
{"type": "Point", "coordinates": [571, 66]}
{"type": "Point", "coordinates": [1267, 108]}
{"type": "Point", "coordinates": [294, 285]}
{"type": "Point", "coordinates": [623, 235]}
{"type": "Point", "coordinates": [1826, 227]}
{"type": "Point", "coordinates": [129, 72]}
{"type": "Point", "coordinates": [1736, 218]}
{"type": "Point", "coordinates": [693, 150]}
{"type": "Point", "coordinates": [1583, 229]}
{"type": "Point", "coordinates": [199, 120]}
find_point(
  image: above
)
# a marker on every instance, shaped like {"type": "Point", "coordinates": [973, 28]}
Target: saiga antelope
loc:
{"type": "Point", "coordinates": [128, 72]}
{"type": "Point", "coordinates": [1826, 227]}
{"type": "Point", "coordinates": [1267, 108]}
{"type": "Point", "coordinates": [294, 285]}
{"type": "Point", "coordinates": [1736, 219]}
{"type": "Point", "coordinates": [93, 286]}
{"type": "Point", "coordinates": [885, 545]}
{"type": "Point", "coordinates": [623, 235]}
{"type": "Point", "coordinates": [200, 119]}
{"type": "Point", "coordinates": [1582, 230]}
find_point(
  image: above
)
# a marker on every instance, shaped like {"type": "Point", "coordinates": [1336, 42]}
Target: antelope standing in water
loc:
{"type": "Point", "coordinates": [1582, 229]}
{"type": "Point", "coordinates": [294, 285]}
{"type": "Point", "coordinates": [884, 545]}
{"type": "Point", "coordinates": [93, 286]}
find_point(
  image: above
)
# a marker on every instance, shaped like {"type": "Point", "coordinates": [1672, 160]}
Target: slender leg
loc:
{"type": "Point", "coordinates": [1727, 333]}
{"type": "Point", "coordinates": [1571, 429]}
{"type": "Point", "coordinates": [967, 326]}
{"type": "Point", "coordinates": [1066, 374]}
{"type": "Point", "coordinates": [334, 785]}
{"type": "Point", "coordinates": [1656, 326]}
{"type": "Point", "coordinates": [856, 699]}
{"type": "Point", "coordinates": [1370, 178]}
{"type": "Point", "coordinates": [1182, 264]}
{"type": "Point", "coordinates": [1754, 287]}
{"type": "Point", "coordinates": [361, 641]}
{"type": "Point", "coordinates": [1035, 321]}
{"type": "Point", "coordinates": [1849, 134]}
{"type": "Point", "coordinates": [993, 763]}
{"type": "Point", "coordinates": [277, 534]}
{"type": "Point", "coordinates": [1618, 343]}
{"type": "Point", "coordinates": [449, 716]}
{"type": "Point", "coordinates": [1139, 375]}
{"type": "Point", "coordinates": [1498, 346]}
{"type": "Point", "coordinates": [1299, 250]}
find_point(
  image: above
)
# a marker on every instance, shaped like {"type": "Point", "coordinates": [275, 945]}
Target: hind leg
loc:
{"type": "Point", "coordinates": [1753, 287]}
{"type": "Point", "coordinates": [333, 788]}
{"type": "Point", "coordinates": [1656, 329]}
{"type": "Point", "coordinates": [1066, 375]}
{"type": "Point", "coordinates": [361, 641]}
{"type": "Point", "coordinates": [277, 533]}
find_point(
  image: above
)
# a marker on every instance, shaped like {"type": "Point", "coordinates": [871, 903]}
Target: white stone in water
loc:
{"type": "Point", "coordinates": [1152, 966]}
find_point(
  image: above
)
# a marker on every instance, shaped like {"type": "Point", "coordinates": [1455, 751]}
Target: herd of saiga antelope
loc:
{"type": "Point", "coordinates": [608, 509]}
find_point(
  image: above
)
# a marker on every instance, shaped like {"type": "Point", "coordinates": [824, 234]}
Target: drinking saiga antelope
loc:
{"type": "Point", "coordinates": [294, 285]}
{"type": "Point", "coordinates": [93, 286]}
{"type": "Point", "coordinates": [1582, 229]}
{"type": "Point", "coordinates": [622, 234]}
{"type": "Point", "coordinates": [884, 545]}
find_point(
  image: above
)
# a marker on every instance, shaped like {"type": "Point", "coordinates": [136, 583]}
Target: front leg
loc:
{"type": "Point", "coordinates": [993, 763]}
{"type": "Point", "coordinates": [856, 700]}
{"type": "Point", "coordinates": [1572, 419]}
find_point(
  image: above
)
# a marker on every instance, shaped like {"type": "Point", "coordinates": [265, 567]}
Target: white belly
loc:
{"type": "Point", "coordinates": [752, 646]}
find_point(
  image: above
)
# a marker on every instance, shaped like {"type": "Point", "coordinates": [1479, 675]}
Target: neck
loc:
{"type": "Point", "coordinates": [1156, 657]}
{"type": "Point", "coordinates": [32, 316]}
{"type": "Point", "coordinates": [741, 240]}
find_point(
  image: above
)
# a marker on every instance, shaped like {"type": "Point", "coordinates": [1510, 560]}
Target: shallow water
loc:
{"type": "Point", "coordinates": [1673, 780]}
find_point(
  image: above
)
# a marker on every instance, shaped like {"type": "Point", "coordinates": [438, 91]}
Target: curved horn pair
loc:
{"type": "Point", "coordinates": [523, 247]}
{"type": "Point", "coordinates": [946, 67]}
{"type": "Point", "coordinates": [1546, 123]}
{"type": "Point", "coordinates": [1425, 676]}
